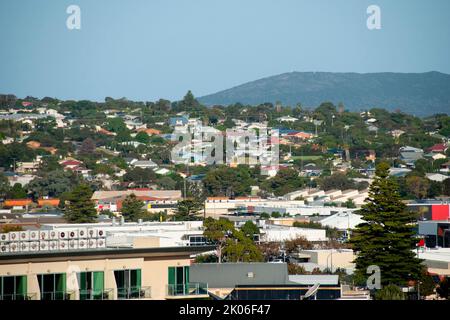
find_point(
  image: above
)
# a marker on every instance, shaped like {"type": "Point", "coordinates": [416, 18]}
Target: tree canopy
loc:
{"type": "Point", "coordinates": [386, 238]}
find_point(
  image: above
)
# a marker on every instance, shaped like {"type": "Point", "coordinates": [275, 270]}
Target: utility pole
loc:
{"type": "Point", "coordinates": [187, 174]}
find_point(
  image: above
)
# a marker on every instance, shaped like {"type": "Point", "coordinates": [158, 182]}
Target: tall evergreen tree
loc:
{"type": "Point", "coordinates": [386, 238]}
{"type": "Point", "coordinates": [188, 209]}
{"type": "Point", "coordinates": [81, 208]}
{"type": "Point", "coordinates": [132, 208]}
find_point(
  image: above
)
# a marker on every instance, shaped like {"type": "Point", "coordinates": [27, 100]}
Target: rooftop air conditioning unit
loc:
{"type": "Point", "coordinates": [92, 233]}
{"type": "Point", "coordinates": [53, 245]}
{"type": "Point", "coordinates": [101, 233]}
{"type": "Point", "coordinates": [101, 243]}
{"type": "Point", "coordinates": [24, 235]}
{"type": "Point", "coordinates": [82, 233]}
{"type": "Point", "coordinates": [92, 243]}
{"type": "Point", "coordinates": [34, 235]}
{"type": "Point", "coordinates": [4, 248]}
{"type": "Point", "coordinates": [82, 244]}
{"type": "Point", "coordinates": [14, 247]}
{"type": "Point", "coordinates": [63, 235]}
{"type": "Point", "coordinates": [44, 235]}
{"type": "Point", "coordinates": [53, 235]}
{"type": "Point", "coordinates": [73, 234]}
{"type": "Point", "coordinates": [63, 244]}
{"type": "Point", "coordinates": [73, 244]}
{"type": "Point", "coordinates": [34, 246]}
{"type": "Point", "coordinates": [24, 247]}
{"type": "Point", "coordinates": [14, 236]}
{"type": "Point", "coordinates": [44, 245]}
{"type": "Point", "coordinates": [4, 237]}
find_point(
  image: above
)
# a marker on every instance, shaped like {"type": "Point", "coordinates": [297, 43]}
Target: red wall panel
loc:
{"type": "Point", "coordinates": [440, 212]}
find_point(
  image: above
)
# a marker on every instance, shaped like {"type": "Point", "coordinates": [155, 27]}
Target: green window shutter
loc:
{"type": "Point", "coordinates": [186, 280]}
{"type": "Point", "coordinates": [61, 285]}
{"type": "Point", "coordinates": [172, 275]}
{"type": "Point", "coordinates": [22, 286]}
{"type": "Point", "coordinates": [99, 282]}
{"type": "Point", "coordinates": [186, 274]}
{"type": "Point", "coordinates": [138, 278]}
{"type": "Point", "coordinates": [172, 280]}
{"type": "Point", "coordinates": [82, 280]}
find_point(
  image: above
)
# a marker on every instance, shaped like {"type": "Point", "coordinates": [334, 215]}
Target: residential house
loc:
{"type": "Point", "coordinates": [178, 121]}
{"type": "Point", "coordinates": [287, 119]}
{"type": "Point", "coordinates": [436, 177]}
{"type": "Point", "coordinates": [311, 170]}
{"type": "Point", "coordinates": [154, 200]}
{"type": "Point", "coordinates": [143, 164]}
{"type": "Point", "coordinates": [17, 204]}
{"type": "Point", "coordinates": [410, 155]}
{"type": "Point", "coordinates": [48, 202]}
{"type": "Point", "coordinates": [438, 148]}
{"type": "Point", "coordinates": [150, 131]}
{"type": "Point", "coordinates": [28, 167]}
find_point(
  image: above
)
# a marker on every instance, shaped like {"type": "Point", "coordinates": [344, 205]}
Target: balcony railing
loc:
{"type": "Point", "coordinates": [134, 293]}
{"type": "Point", "coordinates": [106, 294]}
{"type": "Point", "coordinates": [18, 296]}
{"type": "Point", "coordinates": [58, 295]}
{"type": "Point", "coordinates": [187, 289]}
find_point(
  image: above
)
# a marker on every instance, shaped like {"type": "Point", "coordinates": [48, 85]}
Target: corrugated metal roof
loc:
{"type": "Point", "coordinates": [312, 279]}
{"type": "Point", "coordinates": [228, 275]}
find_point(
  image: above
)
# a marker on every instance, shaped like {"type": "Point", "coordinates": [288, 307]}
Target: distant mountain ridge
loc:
{"type": "Point", "coordinates": [416, 93]}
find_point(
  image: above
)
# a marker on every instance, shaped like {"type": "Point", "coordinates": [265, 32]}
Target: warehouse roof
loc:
{"type": "Point", "coordinates": [312, 279]}
{"type": "Point", "coordinates": [228, 275]}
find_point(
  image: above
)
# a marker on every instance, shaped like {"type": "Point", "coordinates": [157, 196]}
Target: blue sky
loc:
{"type": "Point", "coordinates": [147, 49]}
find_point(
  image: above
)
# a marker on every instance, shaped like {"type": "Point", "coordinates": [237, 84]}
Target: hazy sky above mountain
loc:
{"type": "Point", "coordinates": [147, 49]}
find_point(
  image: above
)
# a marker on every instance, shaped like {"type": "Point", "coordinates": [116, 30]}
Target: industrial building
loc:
{"type": "Point", "coordinates": [436, 233]}
{"type": "Point", "coordinates": [217, 206]}
{"type": "Point", "coordinates": [265, 281]}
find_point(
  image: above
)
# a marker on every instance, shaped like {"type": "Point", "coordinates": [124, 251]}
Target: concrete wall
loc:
{"type": "Point", "coordinates": [283, 234]}
{"type": "Point", "coordinates": [342, 259]}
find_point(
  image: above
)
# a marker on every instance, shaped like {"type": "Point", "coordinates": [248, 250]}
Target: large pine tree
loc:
{"type": "Point", "coordinates": [81, 208]}
{"type": "Point", "coordinates": [132, 208]}
{"type": "Point", "coordinates": [386, 238]}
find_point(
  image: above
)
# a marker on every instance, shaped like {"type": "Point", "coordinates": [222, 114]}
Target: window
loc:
{"type": "Point", "coordinates": [128, 283]}
{"type": "Point", "coordinates": [53, 286]}
{"type": "Point", "coordinates": [13, 288]}
{"type": "Point", "coordinates": [197, 240]}
{"type": "Point", "coordinates": [178, 280]}
{"type": "Point", "coordinates": [91, 285]}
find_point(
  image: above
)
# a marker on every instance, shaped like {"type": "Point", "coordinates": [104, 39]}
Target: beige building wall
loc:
{"type": "Point", "coordinates": [289, 222]}
{"type": "Point", "coordinates": [154, 272]}
{"type": "Point", "coordinates": [340, 259]}
{"type": "Point", "coordinates": [157, 275]}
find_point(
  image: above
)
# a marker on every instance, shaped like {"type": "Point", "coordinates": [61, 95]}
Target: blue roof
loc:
{"type": "Point", "coordinates": [286, 131]}
{"type": "Point", "coordinates": [197, 177]}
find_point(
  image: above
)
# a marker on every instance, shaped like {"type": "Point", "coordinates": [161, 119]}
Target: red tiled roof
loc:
{"type": "Point", "coordinates": [71, 163]}
{"type": "Point", "coordinates": [438, 147]}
